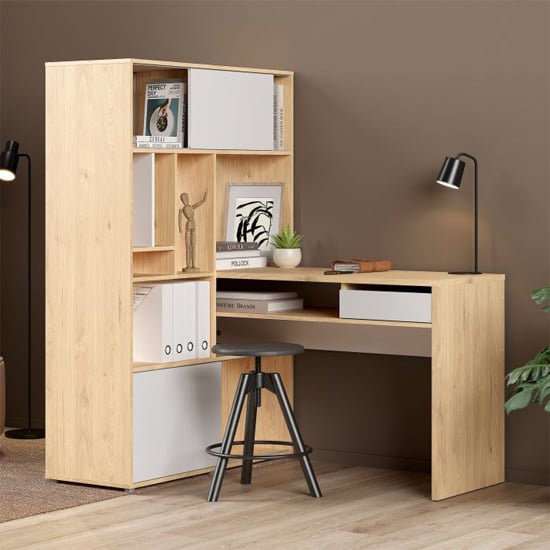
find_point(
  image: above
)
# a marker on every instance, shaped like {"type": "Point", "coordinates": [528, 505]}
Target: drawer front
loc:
{"type": "Point", "coordinates": [386, 305]}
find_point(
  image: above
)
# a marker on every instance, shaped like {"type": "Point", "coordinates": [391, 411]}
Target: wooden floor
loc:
{"type": "Point", "coordinates": [361, 508]}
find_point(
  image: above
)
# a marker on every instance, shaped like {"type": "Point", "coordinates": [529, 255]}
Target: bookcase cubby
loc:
{"type": "Point", "coordinates": [99, 415]}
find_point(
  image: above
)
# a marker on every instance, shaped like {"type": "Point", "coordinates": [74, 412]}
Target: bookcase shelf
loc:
{"type": "Point", "coordinates": [97, 407]}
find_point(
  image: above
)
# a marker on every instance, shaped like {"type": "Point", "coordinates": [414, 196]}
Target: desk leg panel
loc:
{"type": "Point", "coordinates": [467, 386]}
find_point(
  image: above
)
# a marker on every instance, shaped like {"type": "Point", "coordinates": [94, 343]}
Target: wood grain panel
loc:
{"type": "Point", "coordinates": [467, 386]}
{"type": "Point", "coordinates": [88, 272]}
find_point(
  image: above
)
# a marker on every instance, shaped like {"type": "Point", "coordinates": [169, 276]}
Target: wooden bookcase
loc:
{"type": "Point", "coordinates": [93, 412]}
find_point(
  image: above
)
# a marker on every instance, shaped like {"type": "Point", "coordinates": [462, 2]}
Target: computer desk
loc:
{"type": "Point", "coordinates": [465, 340]}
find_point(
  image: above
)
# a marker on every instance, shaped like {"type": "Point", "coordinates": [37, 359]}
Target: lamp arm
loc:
{"type": "Point", "coordinates": [476, 229]}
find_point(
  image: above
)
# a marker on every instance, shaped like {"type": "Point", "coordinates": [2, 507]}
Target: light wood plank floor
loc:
{"type": "Point", "coordinates": [361, 508]}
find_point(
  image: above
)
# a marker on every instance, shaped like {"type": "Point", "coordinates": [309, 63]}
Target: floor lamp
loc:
{"type": "Point", "coordinates": [8, 168]}
{"type": "Point", "coordinates": [451, 176]}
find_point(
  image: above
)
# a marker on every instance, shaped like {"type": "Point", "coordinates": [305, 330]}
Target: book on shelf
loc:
{"type": "Point", "coordinates": [253, 295]}
{"type": "Point", "coordinates": [278, 118]}
{"type": "Point", "coordinates": [361, 266]}
{"type": "Point", "coordinates": [222, 246]}
{"type": "Point", "coordinates": [258, 306]}
{"type": "Point", "coordinates": [165, 112]}
{"type": "Point", "coordinates": [241, 263]}
{"type": "Point", "coordinates": [157, 142]}
{"type": "Point", "coordinates": [252, 253]}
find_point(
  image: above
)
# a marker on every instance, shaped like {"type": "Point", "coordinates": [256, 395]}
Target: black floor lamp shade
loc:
{"type": "Point", "coordinates": [9, 159]}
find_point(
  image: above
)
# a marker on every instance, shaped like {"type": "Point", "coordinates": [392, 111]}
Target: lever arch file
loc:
{"type": "Point", "coordinates": [154, 324]}
{"type": "Point", "coordinates": [185, 314]}
{"type": "Point", "coordinates": [172, 321]}
{"type": "Point", "coordinates": [203, 319]}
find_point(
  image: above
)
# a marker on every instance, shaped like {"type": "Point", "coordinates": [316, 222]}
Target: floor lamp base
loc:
{"type": "Point", "coordinates": [25, 433]}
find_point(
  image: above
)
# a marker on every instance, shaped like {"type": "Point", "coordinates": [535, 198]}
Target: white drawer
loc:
{"type": "Point", "coordinates": [386, 305]}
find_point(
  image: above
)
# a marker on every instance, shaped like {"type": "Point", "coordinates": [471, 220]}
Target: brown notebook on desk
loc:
{"type": "Point", "coordinates": [361, 266]}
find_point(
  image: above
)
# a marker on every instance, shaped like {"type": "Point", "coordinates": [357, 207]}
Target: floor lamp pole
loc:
{"type": "Point", "coordinates": [28, 432]}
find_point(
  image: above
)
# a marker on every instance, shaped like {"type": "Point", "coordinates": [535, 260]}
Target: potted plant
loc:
{"type": "Point", "coordinates": [287, 251]}
{"type": "Point", "coordinates": [531, 382]}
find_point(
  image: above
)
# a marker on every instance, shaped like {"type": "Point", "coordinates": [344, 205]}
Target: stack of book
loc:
{"type": "Point", "coordinates": [361, 266]}
{"type": "Point", "coordinates": [237, 255]}
{"type": "Point", "coordinates": [257, 302]}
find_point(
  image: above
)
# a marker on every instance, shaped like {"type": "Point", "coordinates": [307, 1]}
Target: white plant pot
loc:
{"type": "Point", "coordinates": [287, 257]}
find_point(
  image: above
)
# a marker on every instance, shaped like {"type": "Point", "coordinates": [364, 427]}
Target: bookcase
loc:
{"type": "Point", "coordinates": [111, 420]}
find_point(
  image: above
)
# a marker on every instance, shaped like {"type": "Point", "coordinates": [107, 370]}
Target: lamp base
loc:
{"type": "Point", "coordinates": [26, 433]}
{"type": "Point", "coordinates": [464, 272]}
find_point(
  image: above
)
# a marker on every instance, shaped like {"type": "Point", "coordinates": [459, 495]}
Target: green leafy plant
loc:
{"type": "Point", "coordinates": [287, 238]}
{"type": "Point", "coordinates": [531, 382]}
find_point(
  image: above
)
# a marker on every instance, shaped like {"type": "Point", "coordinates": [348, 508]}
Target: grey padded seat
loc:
{"type": "Point", "coordinates": [264, 349]}
{"type": "Point", "coordinates": [249, 387]}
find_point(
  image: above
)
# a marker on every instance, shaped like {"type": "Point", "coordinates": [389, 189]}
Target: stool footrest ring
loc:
{"type": "Point", "coordinates": [211, 451]}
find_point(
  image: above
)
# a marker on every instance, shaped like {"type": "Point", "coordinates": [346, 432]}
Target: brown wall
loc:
{"type": "Point", "coordinates": [384, 91]}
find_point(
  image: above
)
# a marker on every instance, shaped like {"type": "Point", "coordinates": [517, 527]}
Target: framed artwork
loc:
{"type": "Point", "coordinates": [253, 213]}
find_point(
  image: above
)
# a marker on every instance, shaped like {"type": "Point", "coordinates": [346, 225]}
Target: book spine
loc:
{"type": "Point", "coordinates": [278, 117]}
{"type": "Point", "coordinates": [242, 305]}
{"type": "Point", "coordinates": [220, 255]}
{"type": "Point", "coordinates": [144, 145]}
{"type": "Point", "coordinates": [241, 263]}
{"type": "Point", "coordinates": [222, 246]}
{"type": "Point", "coordinates": [155, 139]}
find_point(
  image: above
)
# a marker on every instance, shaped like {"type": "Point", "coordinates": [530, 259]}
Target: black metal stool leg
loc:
{"type": "Point", "coordinates": [243, 388]}
{"type": "Point", "coordinates": [295, 433]}
{"type": "Point", "coordinates": [249, 435]}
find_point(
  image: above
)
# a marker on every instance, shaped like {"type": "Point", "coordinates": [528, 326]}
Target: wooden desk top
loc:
{"type": "Point", "coordinates": [392, 277]}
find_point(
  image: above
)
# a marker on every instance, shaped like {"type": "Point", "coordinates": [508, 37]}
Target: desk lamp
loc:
{"type": "Point", "coordinates": [451, 176]}
{"type": "Point", "coordinates": [8, 168]}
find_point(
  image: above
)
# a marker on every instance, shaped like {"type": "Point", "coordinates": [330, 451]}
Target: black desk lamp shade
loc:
{"type": "Point", "coordinates": [9, 159]}
{"type": "Point", "coordinates": [450, 175]}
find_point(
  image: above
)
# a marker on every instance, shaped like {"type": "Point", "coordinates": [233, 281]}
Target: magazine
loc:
{"type": "Point", "coordinates": [165, 108]}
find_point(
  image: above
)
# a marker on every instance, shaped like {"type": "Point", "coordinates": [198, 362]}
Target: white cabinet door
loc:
{"type": "Point", "coordinates": [177, 413]}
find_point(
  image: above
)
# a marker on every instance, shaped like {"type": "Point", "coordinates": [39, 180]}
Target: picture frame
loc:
{"type": "Point", "coordinates": [253, 212]}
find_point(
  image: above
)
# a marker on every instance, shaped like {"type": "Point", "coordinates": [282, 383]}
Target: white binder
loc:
{"type": "Point", "coordinates": [185, 314]}
{"type": "Point", "coordinates": [144, 201]}
{"type": "Point", "coordinates": [203, 319]}
{"type": "Point", "coordinates": [154, 324]}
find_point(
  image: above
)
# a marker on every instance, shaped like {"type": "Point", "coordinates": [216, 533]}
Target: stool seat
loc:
{"type": "Point", "coordinates": [249, 389]}
{"type": "Point", "coordinates": [263, 349]}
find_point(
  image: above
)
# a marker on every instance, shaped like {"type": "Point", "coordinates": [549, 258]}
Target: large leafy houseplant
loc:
{"type": "Point", "coordinates": [531, 382]}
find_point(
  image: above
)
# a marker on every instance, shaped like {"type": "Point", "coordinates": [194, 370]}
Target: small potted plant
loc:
{"type": "Point", "coordinates": [287, 251]}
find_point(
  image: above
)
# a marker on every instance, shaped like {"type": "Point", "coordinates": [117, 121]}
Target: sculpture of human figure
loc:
{"type": "Point", "coordinates": [187, 211]}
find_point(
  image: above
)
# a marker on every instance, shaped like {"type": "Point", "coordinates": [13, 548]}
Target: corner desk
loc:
{"type": "Point", "coordinates": [465, 340]}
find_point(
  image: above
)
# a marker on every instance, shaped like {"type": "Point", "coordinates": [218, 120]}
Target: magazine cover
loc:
{"type": "Point", "coordinates": [165, 111]}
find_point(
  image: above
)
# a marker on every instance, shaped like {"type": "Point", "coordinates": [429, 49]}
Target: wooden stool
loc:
{"type": "Point", "coordinates": [250, 384]}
